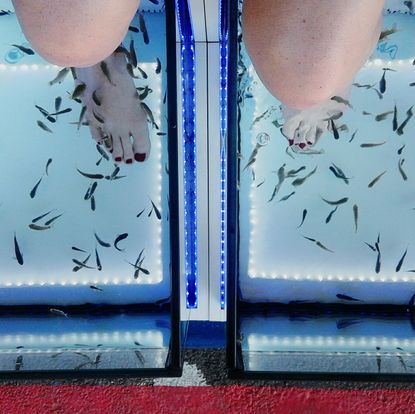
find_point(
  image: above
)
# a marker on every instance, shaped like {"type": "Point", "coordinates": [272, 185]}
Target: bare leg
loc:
{"type": "Point", "coordinates": [75, 32]}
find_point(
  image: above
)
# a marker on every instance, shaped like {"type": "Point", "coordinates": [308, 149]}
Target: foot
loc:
{"type": "Point", "coordinates": [303, 128]}
{"type": "Point", "coordinates": [113, 109]}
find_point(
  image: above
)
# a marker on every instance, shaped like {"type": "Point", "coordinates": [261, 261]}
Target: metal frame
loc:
{"type": "Point", "coordinates": [235, 302]}
{"type": "Point", "coordinates": [174, 360]}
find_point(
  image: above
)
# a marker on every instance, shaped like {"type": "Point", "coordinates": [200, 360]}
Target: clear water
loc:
{"type": "Point", "coordinates": [277, 262]}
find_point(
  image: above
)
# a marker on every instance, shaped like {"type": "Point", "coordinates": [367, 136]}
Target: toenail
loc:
{"type": "Point", "coordinates": [118, 159]}
{"type": "Point", "coordinates": [302, 145]}
{"type": "Point", "coordinates": [129, 161]}
{"type": "Point", "coordinates": [140, 157]}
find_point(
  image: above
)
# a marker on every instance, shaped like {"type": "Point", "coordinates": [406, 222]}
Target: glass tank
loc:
{"type": "Point", "coordinates": [322, 273]}
{"type": "Point", "coordinates": [88, 274]}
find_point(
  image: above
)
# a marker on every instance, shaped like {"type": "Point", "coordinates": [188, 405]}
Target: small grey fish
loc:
{"type": "Point", "coordinates": [385, 33]}
{"type": "Point", "coordinates": [303, 218]}
{"type": "Point", "coordinates": [37, 227]}
{"type": "Point", "coordinates": [99, 266]}
{"type": "Point", "coordinates": [102, 152]}
{"type": "Point", "coordinates": [366, 113]}
{"type": "Point", "coordinates": [336, 202]}
{"type": "Point", "coordinates": [345, 323]}
{"type": "Point", "coordinates": [355, 216]}
{"type": "Point", "coordinates": [409, 115]}
{"type": "Point", "coordinates": [41, 217]}
{"type": "Point", "coordinates": [378, 263]}
{"type": "Point", "coordinates": [49, 222]}
{"type": "Point", "coordinates": [319, 244]}
{"type": "Point", "coordinates": [358, 85]}
{"type": "Point", "coordinates": [60, 76]}
{"type": "Point", "coordinates": [149, 114]}
{"type": "Point", "coordinates": [156, 210]}
{"type": "Point", "coordinates": [142, 73]}
{"type": "Point", "coordinates": [58, 312]}
{"type": "Point", "coordinates": [403, 174]}
{"type": "Point", "coordinates": [353, 135]}
{"type": "Point", "coordinates": [300, 181]}
{"type": "Point", "coordinates": [287, 196]}
{"type": "Point", "coordinates": [81, 117]}
{"type": "Point", "coordinates": [47, 165]}
{"type": "Point", "coordinates": [338, 172]}
{"type": "Point", "coordinates": [78, 91]}
{"type": "Point", "coordinates": [401, 149]}
{"type": "Point", "coordinates": [347, 297]}
{"type": "Point", "coordinates": [376, 179]}
{"type": "Point", "coordinates": [95, 287]}
{"type": "Point", "coordinates": [63, 111]}
{"type": "Point", "coordinates": [143, 28]}
{"type": "Point", "coordinates": [130, 70]}
{"type": "Point", "coordinates": [382, 83]}
{"type": "Point", "coordinates": [19, 363]}
{"type": "Point", "coordinates": [24, 49]}
{"type": "Point", "coordinates": [99, 118]}
{"type": "Point", "coordinates": [81, 264]}
{"type": "Point", "coordinates": [34, 189]}
{"type": "Point", "coordinates": [140, 357]}
{"type": "Point", "coordinates": [58, 103]}
{"type": "Point", "coordinates": [44, 127]}
{"type": "Point", "coordinates": [372, 144]}
{"type": "Point", "coordinates": [143, 93]}
{"type": "Point", "coordinates": [95, 98]}
{"type": "Point", "coordinates": [339, 99]}
{"type": "Point", "coordinates": [133, 29]}
{"type": "Point", "coordinates": [158, 66]}
{"type": "Point", "coordinates": [412, 84]}
{"type": "Point", "coordinates": [371, 247]}
{"type": "Point", "coordinates": [78, 249]}
{"type": "Point", "coordinates": [19, 255]}
{"type": "Point", "coordinates": [281, 177]}
{"type": "Point", "coordinates": [93, 205]}
{"type": "Point", "coordinates": [141, 212]}
{"type": "Point", "coordinates": [383, 116]}
{"type": "Point", "coordinates": [133, 55]}
{"type": "Point", "coordinates": [399, 265]}
{"type": "Point", "coordinates": [101, 242]}
{"type": "Point", "coordinates": [106, 72]}
{"type": "Point", "coordinates": [293, 173]}
{"type": "Point", "coordinates": [118, 239]}
{"type": "Point", "coordinates": [395, 118]}
{"type": "Point", "coordinates": [93, 176]}
{"type": "Point", "coordinates": [328, 218]}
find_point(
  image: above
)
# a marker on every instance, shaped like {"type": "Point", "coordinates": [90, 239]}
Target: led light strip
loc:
{"type": "Point", "coordinates": [189, 149]}
{"type": "Point", "coordinates": [223, 56]}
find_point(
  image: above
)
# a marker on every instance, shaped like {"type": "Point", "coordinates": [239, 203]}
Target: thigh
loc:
{"type": "Point", "coordinates": [75, 32]}
{"type": "Point", "coordinates": [304, 51]}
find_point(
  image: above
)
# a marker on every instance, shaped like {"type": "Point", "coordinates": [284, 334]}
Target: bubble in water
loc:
{"type": "Point", "coordinates": [262, 138]}
{"type": "Point", "coordinates": [13, 55]}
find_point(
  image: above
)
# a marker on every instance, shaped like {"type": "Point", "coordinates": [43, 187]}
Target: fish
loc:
{"type": "Point", "coordinates": [47, 165]}
{"type": "Point", "coordinates": [400, 163]}
{"type": "Point", "coordinates": [44, 127]}
{"type": "Point", "coordinates": [19, 363]}
{"type": "Point", "coordinates": [34, 189]}
{"type": "Point", "coordinates": [37, 227]}
{"type": "Point", "coordinates": [376, 179]}
{"type": "Point", "coordinates": [140, 213]}
{"type": "Point", "coordinates": [60, 76]}
{"type": "Point", "coordinates": [133, 56]}
{"type": "Point", "coordinates": [93, 176]}
{"type": "Point", "coordinates": [378, 263]}
{"type": "Point", "coordinates": [7, 12]}
{"type": "Point", "coordinates": [334, 117]}
{"type": "Point", "coordinates": [399, 265]}
{"type": "Point", "coordinates": [105, 71]}
{"type": "Point", "coordinates": [24, 49]}
{"type": "Point", "coordinates": [409, 115]}
{"type": "Point", "coordinates": [303, 218]}
{"type": "Point", "coordinates": [78, 91]}
{"type": "Point", "coordinates": [140, 357]}
{"type": "Point", "coordinates": [158, 66]}
{"type": "Point", "coordinates": [99, 118]}
{"type": "Point", "coordinates": [156, 210]}
{"type": "Point", "coordinates": [412, 84]}
{"type": "Point", "coordinates": [47, 223]}
{"type": "Point", "coordinates": [299, 181]}
{"type": "Point", "coordinates": [319, 244]}
{"type": "Point", "coordinates": [142, 73]}
{"type": "Point", "coordinates": [81, 117]}
{"type": "Point", "coordinates": [347, 297]}
{"type": "Point", "coordinates": [96, 99]}
{"type": "Point", "coordinates": [41, 217]}
{"type": "Point", "coordinates": [93, 205]}
{"type": "Point", "coordinates": [118, 239]}
{"type": "Point", "coordinates": [101, 242]}
{"type": "Point", "coordinates": [149, 114]}
{"type": "Point", "coordinates": [19, 255]}
{"type": "Point", "coordinates": [81, 264]}
{"type": "Point", "coordinates": [328, 218]}
{"type": "Point", "coordinates": [77, 249]}
{"type": "Point", "coordinates": [395, 118]}
{"type": "Point", "coordinates": [345, 323]}
{"type": "Point", "coordinates": [353, 135]}
{"type": "Point", "coordinates": [382, 83]}
{"type": "Point", "coordinates": [46, 114]}
{"type": "Point", "coordinates": [287, 196]}
{"type": "Point", "coordinates": [371, 247]}
{"type": "Point", "coordinates": [401, 149]}
{"type": "Point", "coordinates": [383, 116]}
{"type": "Point", "coordinates": [143, 92]}
{"type": "Point", "coordinates": [293, 173]}
{"type": "Point", "coordinates": [58, 103]}
{"type": "Point", "coordinates": [355, 216]}
{"type": "Point", "coordinates": [95, 287]}
{"type": "Point", "coordinates": [338, 172]}
{"type": "Point", "coordinates": [130, 71]}
{"type": "Point", "coordinates": [266, 114]}
{"type": "Point", "coordinates": [371, 145]}
{"type": "Point", "coordinates": [133, 29]}
{"type": "Point", "coordinates": [366, 113]}
{"type": "Point", "coordinates": [385, 33]}
{"type": "Point", "coordinates": [336, 202]}
{"type": "Point", "coordinates": [339, 99]}
{"type": "Point", "coordinates": [165, 97]}
{"type": "Point", "coordinates": [143, 28]}
{"type": "Point", "coordinates": [58, 312]}
{"type": "Point", "coordinates": [99, 266]}
{"type": "Point", "coordinates": [102, 152]}
{"type": "Point", "coordinates": [281, 178]}
{"type": "Point", "coordinates": [378, 362]}
{"type": "Point", "coordinates": [410, 5]}
{"type": "Point", "coordinates": [366, 86]}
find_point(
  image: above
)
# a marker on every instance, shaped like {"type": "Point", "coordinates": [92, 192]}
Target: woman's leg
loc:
{"type": "Point", "coordinates": [75, 32]}
{"type": "Point", "coordinates": [304, 52]}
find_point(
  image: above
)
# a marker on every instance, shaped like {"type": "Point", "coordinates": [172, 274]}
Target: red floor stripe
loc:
{"type": "Point", "coordinates": [61, 399]}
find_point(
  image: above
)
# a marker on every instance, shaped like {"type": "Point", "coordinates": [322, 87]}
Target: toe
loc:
{"type": "Point", "coordinates": [117, 153]}
{"type": "Point", "coordinates": [141, 142]}
{"type": "Point", "coordinates": [300, 135]}
{"type": "Point", "coordinates": [311, 136]}
{"type": "Point", "coordinates": [128, 149]}
{"type": "Point", "coordinates": [289, 129]}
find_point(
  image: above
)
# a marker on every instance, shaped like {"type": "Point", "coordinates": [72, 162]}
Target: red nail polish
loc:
{"type": "Point", "coordinates": [129, 161]}
{"type": "Point", "coordinates": [118, 159]}
{"type": "Point", "coordinates": [140, 157]}
{"type": "Point", "coordinates": [302, 145]}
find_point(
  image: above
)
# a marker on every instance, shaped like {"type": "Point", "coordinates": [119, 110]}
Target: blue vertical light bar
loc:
{"type": "Point", "coordinates": [189, 149]}
{"type": "Point", "coordinates": [223, 64]}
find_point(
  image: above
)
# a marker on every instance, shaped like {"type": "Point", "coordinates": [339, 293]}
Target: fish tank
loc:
{"type": "Point", "coordinates": [89, 275]}
{"type": "Point", "coordinates": [320, 247]}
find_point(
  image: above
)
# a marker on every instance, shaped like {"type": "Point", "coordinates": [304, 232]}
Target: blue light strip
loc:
{"type": "Point", "coordinates": [223, 53]}
{"type": "Point", "coordinates": [189, 149]}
